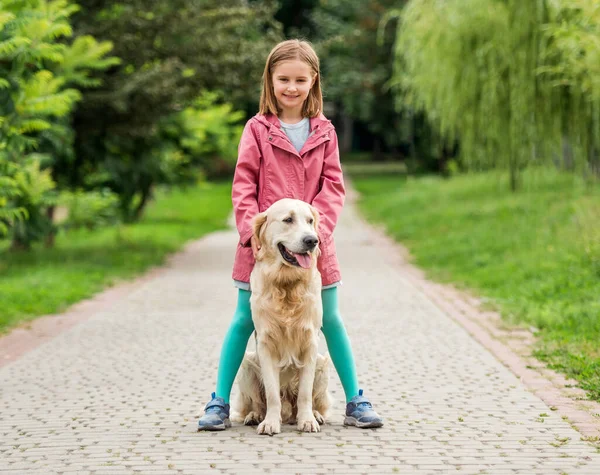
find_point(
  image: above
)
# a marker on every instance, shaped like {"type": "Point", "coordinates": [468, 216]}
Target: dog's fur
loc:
{"type": "Point", "coordinates": [286, 379]}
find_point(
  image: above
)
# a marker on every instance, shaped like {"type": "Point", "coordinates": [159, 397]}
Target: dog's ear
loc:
{"type": "Point", "coordinates": [257, 223]}
{"type": "Point", "coordinates": [316, 217]}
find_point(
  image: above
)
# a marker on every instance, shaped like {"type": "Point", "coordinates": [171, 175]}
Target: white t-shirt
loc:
{"type": "Point", "coordinates": [297, 133]}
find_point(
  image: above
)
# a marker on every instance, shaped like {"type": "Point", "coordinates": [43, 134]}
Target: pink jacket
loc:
{"type": "Point", "coordinates": [269, 168]}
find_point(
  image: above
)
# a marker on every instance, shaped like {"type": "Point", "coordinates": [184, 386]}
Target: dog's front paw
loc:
{"type": "Point", "coordinates": [319, 417]}
{"type": "Point", "coordinates": [253, 418]}
{"type": "Point", "coordinates": [308, 425]}
{"type": "Point", "coordinates": [269, 427]}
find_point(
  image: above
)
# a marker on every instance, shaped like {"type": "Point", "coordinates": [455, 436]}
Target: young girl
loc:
{"type": "Point", "coordinates": [288, 150]}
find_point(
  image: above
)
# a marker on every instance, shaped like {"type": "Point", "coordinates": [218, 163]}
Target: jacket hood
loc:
{"type": "Point", "coordinates": [321, 122]}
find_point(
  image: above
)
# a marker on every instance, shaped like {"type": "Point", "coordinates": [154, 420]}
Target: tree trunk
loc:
{"type": "Point", "coordinates": [347, 132]}
{"type": "Point", "coordinates": [567, 153]}
{"type": "Point", "coordinates": [146, 195]}
{"type": "Point", "coordinates": [18, 245]}
{"type": "Point", "coordinates": [125, 205]}
{"type": "Point", "coordinates": [51, 236]}
{"type": "Point", "coordinates": [412, 146]}
{"type": "Point", "coordinates": [377, 153]}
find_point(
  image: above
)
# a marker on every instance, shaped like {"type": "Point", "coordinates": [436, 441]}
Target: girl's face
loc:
{"type": "Point", "coordinates": [292, 81]}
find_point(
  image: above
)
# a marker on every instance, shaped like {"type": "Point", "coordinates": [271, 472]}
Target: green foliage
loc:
{"type": "Point", "coordinates": [9, 212]}
{"type": "Point", "coordinates": [35, 195]}
{"type": "Point", "coordinates": [572, 67]}
{"type": "Point", "coordinates": [574, 46]}
{"type": "Point", "coordinates": [355, 41]}
{"type": "Point", "coordinates": [90, 209]}
{"type": "Point", "coordinates": [295, 17]}
{"type": "Point", "coordinates": [203, 136]}
{"type": "Point", "coordinates": [170, 51]}
{"type": "Point", "coordinates": [502, 77]}
{"type": "Point", "coordinates": [31, 95]}
{"type": "Point", "coordinates": [39, 68]}
{"type": "Point", "coordinates": [355, 68]}
{"type": "Point", "coordinates": [208, 133]}
{"type": "Point", "coordinates": [84, 56]}
{"type": "Point", "coordinates": [39, 71]}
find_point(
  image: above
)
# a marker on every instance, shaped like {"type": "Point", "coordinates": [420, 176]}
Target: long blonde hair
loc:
{"type": "Point", "coordinates": [288, 51]}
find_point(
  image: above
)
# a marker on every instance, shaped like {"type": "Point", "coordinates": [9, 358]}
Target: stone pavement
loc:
{"type": "Point", "coordinates": [120, 393]}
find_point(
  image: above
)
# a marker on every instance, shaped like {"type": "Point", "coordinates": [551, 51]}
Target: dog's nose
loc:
{"type": "Point", "coordinates": [310, 241]}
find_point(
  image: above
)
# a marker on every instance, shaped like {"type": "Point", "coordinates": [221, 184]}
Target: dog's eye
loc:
{"type": "Point", "coordinates": [310, 221]}
{"type": "Point", "coordinates": [288, 220]}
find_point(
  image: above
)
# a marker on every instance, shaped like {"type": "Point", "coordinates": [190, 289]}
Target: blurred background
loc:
{"type": "Point", "coordinates": [471, 129]}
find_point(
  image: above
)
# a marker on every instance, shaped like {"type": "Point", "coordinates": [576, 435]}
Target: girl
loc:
{"type": "Point", "coordinates": [288, 150]}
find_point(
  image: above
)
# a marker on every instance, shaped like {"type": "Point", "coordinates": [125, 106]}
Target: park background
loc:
{"type": "Point", "coordinates": [470, 128]}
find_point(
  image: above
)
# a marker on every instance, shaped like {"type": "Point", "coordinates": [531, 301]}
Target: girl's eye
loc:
{"type": "Point", "coordinates": [288, 220]}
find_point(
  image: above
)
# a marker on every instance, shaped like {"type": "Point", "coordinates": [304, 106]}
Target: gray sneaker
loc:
{"type": "Point", "coordinates": [360, 413]}
{"type": "Point", "coordinates": [216, 415]}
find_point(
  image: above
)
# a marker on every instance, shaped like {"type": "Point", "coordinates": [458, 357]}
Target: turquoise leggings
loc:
{"type": "Point", "coordinates": [234, 345]}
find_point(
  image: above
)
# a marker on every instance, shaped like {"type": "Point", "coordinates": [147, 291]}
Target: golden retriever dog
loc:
{"type": "Point", "coordinates": [286, 379]}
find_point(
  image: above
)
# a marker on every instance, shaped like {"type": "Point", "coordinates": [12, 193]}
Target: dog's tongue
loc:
{"type": "Point", "coordinates": [303, 260]}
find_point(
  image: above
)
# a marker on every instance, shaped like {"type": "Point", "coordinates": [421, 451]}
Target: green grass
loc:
{"type": "Point", "coordinates": [535, 254]}
{"type": "Point", "coordinates": [84, 262]}
{"type": "Point", "coordinates": [374, 168]}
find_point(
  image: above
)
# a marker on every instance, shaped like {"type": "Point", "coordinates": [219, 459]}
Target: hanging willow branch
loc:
{"type": "Point", "coordinates": [501, 77]}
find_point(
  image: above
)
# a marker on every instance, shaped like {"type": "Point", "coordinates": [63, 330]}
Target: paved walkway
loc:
{"type": "Point", "coordinates": [120, 393]}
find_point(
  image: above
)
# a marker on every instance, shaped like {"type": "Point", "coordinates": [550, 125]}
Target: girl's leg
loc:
{"type": "Point", "coordinates": [359, 411]}
{"type": "Point", "coordinates": [216, 412]}
{"type": "Point", "coordinates": [234, 345]}
{"type": "Point", "coordinates": [338, 343]}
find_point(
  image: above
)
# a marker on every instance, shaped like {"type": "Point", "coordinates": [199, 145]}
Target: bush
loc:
{"type": "Point", "coordinates": [208, 132]}
{"type": "Point", "coordinates": [40, 72]}
{"type": "Point", "coordinates": [36, 193]}
{"type": "Point", "coordinates": [90, 209]}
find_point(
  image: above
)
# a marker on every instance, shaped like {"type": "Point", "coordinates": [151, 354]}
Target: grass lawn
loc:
{"type": "Point", "coordinates": [535, 254]}
{"type": "Point", "coordinates": [84, 262]}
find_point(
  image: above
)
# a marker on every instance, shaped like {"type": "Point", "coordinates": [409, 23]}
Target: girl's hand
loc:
{"type": "Point", "coordinates": [255, 243]}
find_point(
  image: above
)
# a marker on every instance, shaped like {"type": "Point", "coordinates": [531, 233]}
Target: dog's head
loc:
{"type": "Point", "coordinates": [287, 231]}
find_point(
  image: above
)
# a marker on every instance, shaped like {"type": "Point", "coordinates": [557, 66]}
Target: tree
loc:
{"type": "Point", "coordinates": [296, 17]}
{"type": "Point", "coordinates": [511, 80]}
{"type": "Point", "coordinates": [570, 64]}
{"type": "Point", "coordinates": [171, 51]}
{"type": "Point", "coordinates": [39, 73]}
{"type": "Point", "coordinates": [357, 68]}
